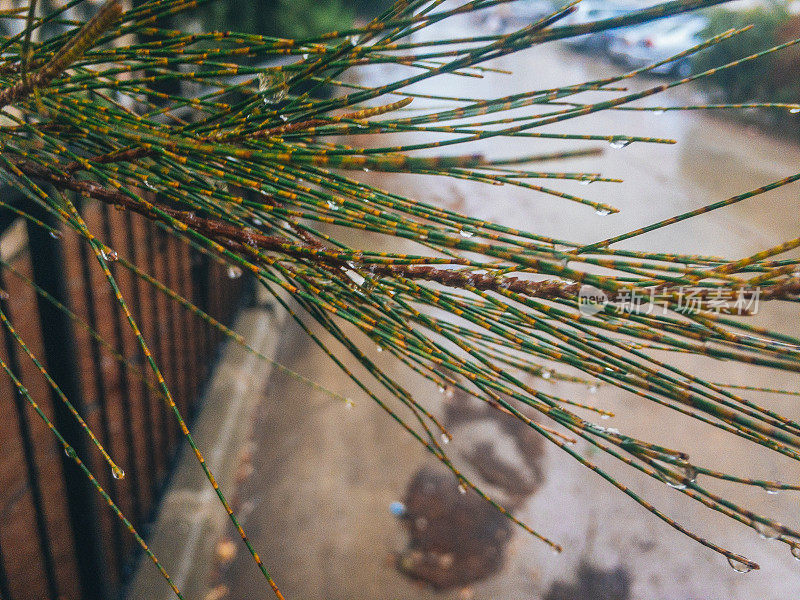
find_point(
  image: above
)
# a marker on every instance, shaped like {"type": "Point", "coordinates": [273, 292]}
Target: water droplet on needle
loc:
{"type": "Point", "coordinates": [739, 566]}
{"type": "Point", "coordinates": [110, 255]}
{"type": "Point", "coordinates": [767, 532]}
{"type": "Point", "coordinates": [795, 550]}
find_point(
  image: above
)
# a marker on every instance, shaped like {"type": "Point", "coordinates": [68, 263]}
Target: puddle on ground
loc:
{"type": "Point", "coordinates": [455, 537]}
{"type": "Point", "coordinates": [593, 584]}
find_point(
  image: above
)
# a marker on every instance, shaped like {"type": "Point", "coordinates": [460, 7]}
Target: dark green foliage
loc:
{"type": "Point", "coordinates": [280, 18]}
{"type": "Point", "coordinates": [755, 79]}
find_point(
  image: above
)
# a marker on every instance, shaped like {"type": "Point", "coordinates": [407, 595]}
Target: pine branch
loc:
{"type": "Point", "coordinates": [253, 171]}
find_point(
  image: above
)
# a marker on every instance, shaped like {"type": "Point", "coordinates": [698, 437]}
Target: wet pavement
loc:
{"type": "Point", "coordinates": [323, 476]}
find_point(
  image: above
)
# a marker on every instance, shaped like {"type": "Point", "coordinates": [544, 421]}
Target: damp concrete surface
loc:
{"type": "Point", "coordinates": [319, 476]}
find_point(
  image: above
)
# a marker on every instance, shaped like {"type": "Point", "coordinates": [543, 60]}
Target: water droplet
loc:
{"type": "Point", "coordinates": [110, 256]}
{"type": "Point", "coordinates": [234, 272]}
{"type": "Point", "coordinates": [332, 205]}
{"type": "Point", "coordinates": [355, 277]}
{"type": "Point", "coordinates": [378, 349]}
{"type": "Point", "coordinates": [617, 144]}
{"type": "Point", "coordinates": [795, 550]}
{"type": "Point", "coordinates": [739, 566]}
{"type": "Point", "coordinates": [593, 389]}
{"type": "Point", "coordinates": [680, 483]}
{"type": "Point", "coordinates": [613, 430]}
{"type": "Point", "coordinates": [283, 118]}
{"type": "Point", "coordinates": [445, 438]}
{"type": "Point", "coordinates": [56, 234]}
{"type": "Point", "coordinates": [465, 234]}
{"type": "Point", "coordinates": [546, 374]}
{"type": "Point", "coordinates": [585, 181]}
{"type": "Point", "coordinates": [659, 112]}
{"type": "Point", "coordinates": [398, 509]}
{"type": "Point", "coordinates": [305, 55]}
{"type": "Point", "coordinates": [366, 170]}
{"type": "Point", "coordinates": [794, 110]}
{"type": "Point", "coordinates": [354, 39]}
{"type": "Point", "coordinates": [272, 86]}
{"type": "Point", "coordinates": [117, 473]}
{"type": "Point", "coordinates": [258, 222]}
{"type": "Point", "coordinates": [766, 531]}
{"type": "Point", "coordinates": [66, 451]}
{"type": "Point", "coordinates": [690, 473]}
{"type": "Point", "coordinates": [442, 389]}
{"type": "Point", "coordinates": [462, 489]}
{"type": "Point", "coordinates": [771, 490]}
{"type": "Point", "coordinates": [603, 212]}
{"type": "Point", "coordinates": [605, 416]}
{"type": "Point", "coordinates": [348, 404]}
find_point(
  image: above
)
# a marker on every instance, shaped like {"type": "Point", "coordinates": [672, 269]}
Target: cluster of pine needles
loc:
{"type": "Point", "coordinates": [242, 146]}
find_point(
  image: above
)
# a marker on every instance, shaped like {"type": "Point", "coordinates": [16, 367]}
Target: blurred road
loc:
{"type": "Point", "coordinates": [317, 501]}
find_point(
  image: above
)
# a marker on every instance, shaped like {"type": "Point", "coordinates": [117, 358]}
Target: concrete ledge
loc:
{"type": "Point", "coordinates": [191, 519]}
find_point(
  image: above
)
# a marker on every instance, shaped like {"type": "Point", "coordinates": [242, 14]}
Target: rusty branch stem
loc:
{"type": "Point", "coordinates": [238, 238]}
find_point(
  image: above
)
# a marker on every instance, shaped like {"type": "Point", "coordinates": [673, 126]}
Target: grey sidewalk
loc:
{"type": "Point", "coordinates": [191, 519]}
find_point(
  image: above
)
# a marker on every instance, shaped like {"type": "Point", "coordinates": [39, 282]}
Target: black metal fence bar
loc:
{"type": "Point", "coordinates": [166, 427]}
{"type": "Point", "coordinates": [68, 545]}
{"type": "Point", "coordinates": [5, 592]}
{"type": "Point", "coordinates": [132, 463]}
{"type": "Point", "coordinates": [187, 356]}
{"type": "Point", "coordinates": [118, 545]}
{"type": "Point", "coordinates": [32, 470]}
{"type": "Point", "coordinates": [176, 377]}
{"type": "Point", "coordinates": [144, 395]}
{"type": "Point", "coordinates": [60, 352]}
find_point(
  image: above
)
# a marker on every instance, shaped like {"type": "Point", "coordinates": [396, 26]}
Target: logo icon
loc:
{"type": "Point", "coordinates": [591, 300]}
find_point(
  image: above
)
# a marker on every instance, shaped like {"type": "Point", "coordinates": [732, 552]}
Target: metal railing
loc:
{"type": "Point", "coordinates": [58, 539]}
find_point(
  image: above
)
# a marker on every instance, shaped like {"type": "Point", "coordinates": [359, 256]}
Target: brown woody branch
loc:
{"type": "Point", "coordinates": [239, 238]}
{"type": "Point", "coordinates": [235, 237]}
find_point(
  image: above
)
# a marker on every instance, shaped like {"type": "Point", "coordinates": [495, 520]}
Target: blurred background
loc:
{"type": "Point", "coordinates": [350, 507]}
{"type": "Point", "coordinates": [338, 499]}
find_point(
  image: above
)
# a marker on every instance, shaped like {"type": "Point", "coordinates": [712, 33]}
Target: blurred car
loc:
{"type": "Point", "coordinates": [525, 12]}
{"type": "Point", "coordinates": [589, 11]}
{"type": "Point", "coordinates": [649, 43]}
